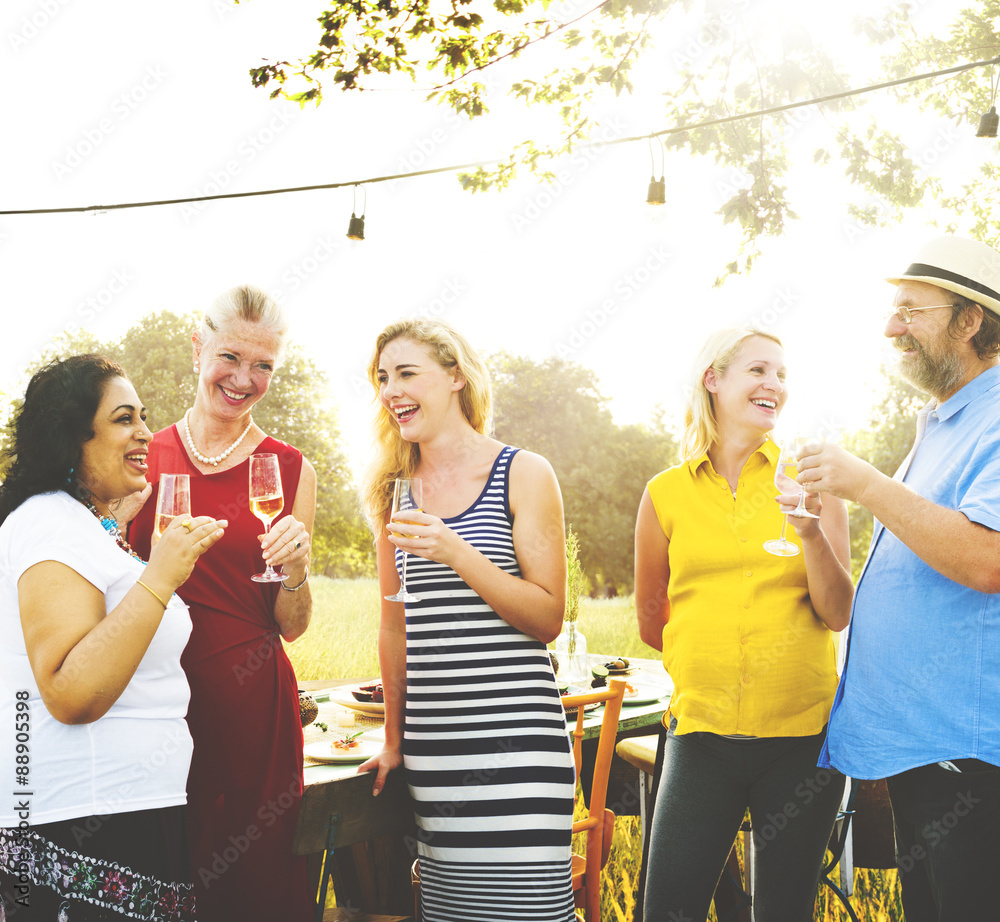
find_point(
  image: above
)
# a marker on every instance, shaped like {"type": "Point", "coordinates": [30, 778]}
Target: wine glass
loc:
{"type": "Point", "coordinates": [784, 479]}
{"type": "Point", "coordinates": [172, 500]}
{"type": "Point", "coordinates": [788, 483]}
{"type": "Point", "coordinates": [407, 494]}
{"type": "Point", "coordinates": [266, 502]}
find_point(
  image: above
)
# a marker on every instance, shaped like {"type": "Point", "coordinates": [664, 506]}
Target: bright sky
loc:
{"type": "Point", "coordinates": [129, 100]}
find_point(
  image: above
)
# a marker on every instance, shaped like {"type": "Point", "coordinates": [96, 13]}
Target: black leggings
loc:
{"type": "Point", "coordinates": [708, 782]}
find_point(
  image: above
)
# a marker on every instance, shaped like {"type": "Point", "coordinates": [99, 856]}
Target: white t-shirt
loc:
{"type": "Point", "coordinates": [136, 756]}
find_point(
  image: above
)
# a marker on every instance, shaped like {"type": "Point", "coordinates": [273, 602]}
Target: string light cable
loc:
{"type": "Point", "coordinates": [677, 129]}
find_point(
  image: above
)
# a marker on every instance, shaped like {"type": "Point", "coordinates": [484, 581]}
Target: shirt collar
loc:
{"type": "Point", "coordinates": [768, 449]}
{"type": "Point", "coordinates": [978, 386]}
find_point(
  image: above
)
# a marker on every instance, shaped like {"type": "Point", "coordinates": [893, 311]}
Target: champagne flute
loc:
{"type": "Point", "coordinates": [266, 502]}
{"type": "Point", "coordinates": [172, 500]}
{"type": "Point", "coordinates": [408, 494]}
{"type": "Point", "coordinates": [784, 479]}
{"type": "Point", "coordinates": [788, 474]}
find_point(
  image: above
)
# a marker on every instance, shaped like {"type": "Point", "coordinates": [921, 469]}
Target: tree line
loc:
{"type": "Point", "coordinates": [553, 407]}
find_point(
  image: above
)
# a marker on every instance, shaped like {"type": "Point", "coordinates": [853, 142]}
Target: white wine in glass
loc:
{"type": "Point", "coordinates": [785, 472]}
{"type": "Point", "coordinates": [266, 502]}
{"type": "Point", "coordinates": [408, 495]}
{"type": "Point", "coordinates": [172, 499]}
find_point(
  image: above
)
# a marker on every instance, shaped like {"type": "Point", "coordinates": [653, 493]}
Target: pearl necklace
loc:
{"type": "Point", "coordinates": [220, 457]}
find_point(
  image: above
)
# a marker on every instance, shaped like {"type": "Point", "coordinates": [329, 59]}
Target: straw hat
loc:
{"type": "Point", "coordinates": [966, 267]}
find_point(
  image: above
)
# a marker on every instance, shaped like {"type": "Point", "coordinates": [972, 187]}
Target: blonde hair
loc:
{"type": "Point", "coordinates": [247, 304]}
{"type": "Point", "coordinates": [395, 457]}
{"type": "Point", "coordinates": [701, 430]}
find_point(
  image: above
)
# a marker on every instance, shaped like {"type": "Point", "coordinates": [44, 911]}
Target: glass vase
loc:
{"type": "Point", "coordinates": [571, 655]}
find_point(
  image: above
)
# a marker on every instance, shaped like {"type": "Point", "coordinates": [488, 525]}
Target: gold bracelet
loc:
{"type": "Point", "coordinates": [155, 595]}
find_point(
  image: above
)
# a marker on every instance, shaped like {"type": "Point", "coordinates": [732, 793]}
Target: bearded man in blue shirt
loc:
{"type": "Point", "coordinates": [919, 697]}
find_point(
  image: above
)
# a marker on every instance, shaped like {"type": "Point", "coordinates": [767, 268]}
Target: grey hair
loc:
{"type": "Point", "coordinates": [248, 304]}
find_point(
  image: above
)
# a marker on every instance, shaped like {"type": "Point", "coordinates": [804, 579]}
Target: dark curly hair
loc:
{"type": "Point", "coordinates": [54, 420]}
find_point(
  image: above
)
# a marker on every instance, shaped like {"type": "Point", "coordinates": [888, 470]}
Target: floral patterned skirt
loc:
{"type": "Point", "coordinates": [98, 869]}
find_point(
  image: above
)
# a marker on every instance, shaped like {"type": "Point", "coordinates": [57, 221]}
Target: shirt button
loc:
{"type": "Point", "coordinates": [744, 640]}
{"type": "Point", "coordinates": [749, 572]}
{"type": "Point", "coordinates": [742, 539]}
{"type": "Point", "coordinates": [746, 604]}
{"type": "Point", "coordinates": [746, 680]}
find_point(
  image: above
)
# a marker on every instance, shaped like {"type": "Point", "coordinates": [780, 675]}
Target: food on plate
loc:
{"type": "Point", "coordinates": [630, 690]}
{"type": "Point", "coordinates": [346, 742]}
{"type": "Point", "coordinates": [600, 674]}
{"type": "Point", "coordinates": [369, 693]}
{"type": "Point", "coordinates": [618, 665]}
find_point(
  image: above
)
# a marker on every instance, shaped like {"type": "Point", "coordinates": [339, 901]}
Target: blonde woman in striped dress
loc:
{"type": "Point", "coordinates": [472, 708]}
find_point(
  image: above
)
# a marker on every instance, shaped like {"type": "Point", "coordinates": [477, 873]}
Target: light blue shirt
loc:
{"type": "Point", "coordinates": [921, 683]}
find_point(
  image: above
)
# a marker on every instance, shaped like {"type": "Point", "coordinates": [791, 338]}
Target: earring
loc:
{"type": "Point", "coordinates": [197, 368]}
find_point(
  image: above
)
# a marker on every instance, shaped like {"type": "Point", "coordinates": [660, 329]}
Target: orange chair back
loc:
{"type": "Point", "coordinates": [599, 822]}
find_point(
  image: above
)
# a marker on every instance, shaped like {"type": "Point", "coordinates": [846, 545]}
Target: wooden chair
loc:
{"type": "Point", "coordinates": [599, 823]}
{"type": "Point", "coordinates": [343, 815]}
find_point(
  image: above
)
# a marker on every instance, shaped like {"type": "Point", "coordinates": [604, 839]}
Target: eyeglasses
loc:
{"type": "Point", "coordinates": [905, 314]}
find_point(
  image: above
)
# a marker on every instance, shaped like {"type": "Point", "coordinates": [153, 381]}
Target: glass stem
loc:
{"type": "Point", "coordinates": [267, 529]}
{"type": "Point", "coordinates": [784, 526]}
{"type": "Point", "coordinates": [402, 585]}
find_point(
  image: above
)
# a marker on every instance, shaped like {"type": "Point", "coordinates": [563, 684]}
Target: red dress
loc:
{"type": "Point", "coordinates": [246, 773]}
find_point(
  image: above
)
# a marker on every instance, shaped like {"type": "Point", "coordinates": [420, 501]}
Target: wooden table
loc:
{"type": "Point", "coordinates": [381, 865]}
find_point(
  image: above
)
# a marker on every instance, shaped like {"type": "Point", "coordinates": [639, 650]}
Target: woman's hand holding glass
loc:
{"type": "Point", "coordinates": [286, 544]}
{"type": "Point", "coordinates": [424, 535]}
{"type": "Point", "coordinates": [792, 498]}
{"type": "Point", "coordinates": [407, 501]}
{"type": "Point", "coordinates": [183, 541]}
{"type": "Point", "coordinates": [786, 480]}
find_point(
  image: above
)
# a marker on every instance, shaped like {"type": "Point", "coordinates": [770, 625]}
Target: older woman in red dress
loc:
{"type": "Point", "coordinates": [246, 773]}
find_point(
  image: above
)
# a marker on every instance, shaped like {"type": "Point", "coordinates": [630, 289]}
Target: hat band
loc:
{"type": "Point", "coordinates": [922, 269]}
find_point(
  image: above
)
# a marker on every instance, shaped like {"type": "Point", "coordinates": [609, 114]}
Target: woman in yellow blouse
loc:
{"type": "Point", "coordinates": [747, 638]}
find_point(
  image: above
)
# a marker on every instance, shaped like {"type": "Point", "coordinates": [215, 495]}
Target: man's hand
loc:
{"type": "Point", "coordinates": [828, 468]}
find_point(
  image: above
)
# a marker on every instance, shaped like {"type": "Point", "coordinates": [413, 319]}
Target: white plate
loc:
{"type": "Point", "coordinates": [344, 698]}
{"type": "Point", "coordinates": [645, 694]}
{"type": "Point", "coordinates": [321, 751]}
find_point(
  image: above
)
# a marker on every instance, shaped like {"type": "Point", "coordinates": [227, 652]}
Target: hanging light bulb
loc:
{"type": "Point", "coordinates": [656, 194]}
{"type": "Point", "coordinates": [356, 226]}
{"type": "Point", "coordinates": [990, 120]}
{"type": "Point", "coordinates": [988, 124]}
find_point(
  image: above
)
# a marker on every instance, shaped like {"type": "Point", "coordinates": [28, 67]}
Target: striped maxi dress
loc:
{"type": "Point", "coordinates": [486, 749]}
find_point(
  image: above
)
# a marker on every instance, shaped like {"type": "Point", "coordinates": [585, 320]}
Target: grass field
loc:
{"type": "Point", "coordinates": [342, 642]}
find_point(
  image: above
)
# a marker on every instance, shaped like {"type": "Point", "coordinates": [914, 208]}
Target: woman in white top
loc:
{"type": "Point", "coordinates": [92, 695]}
